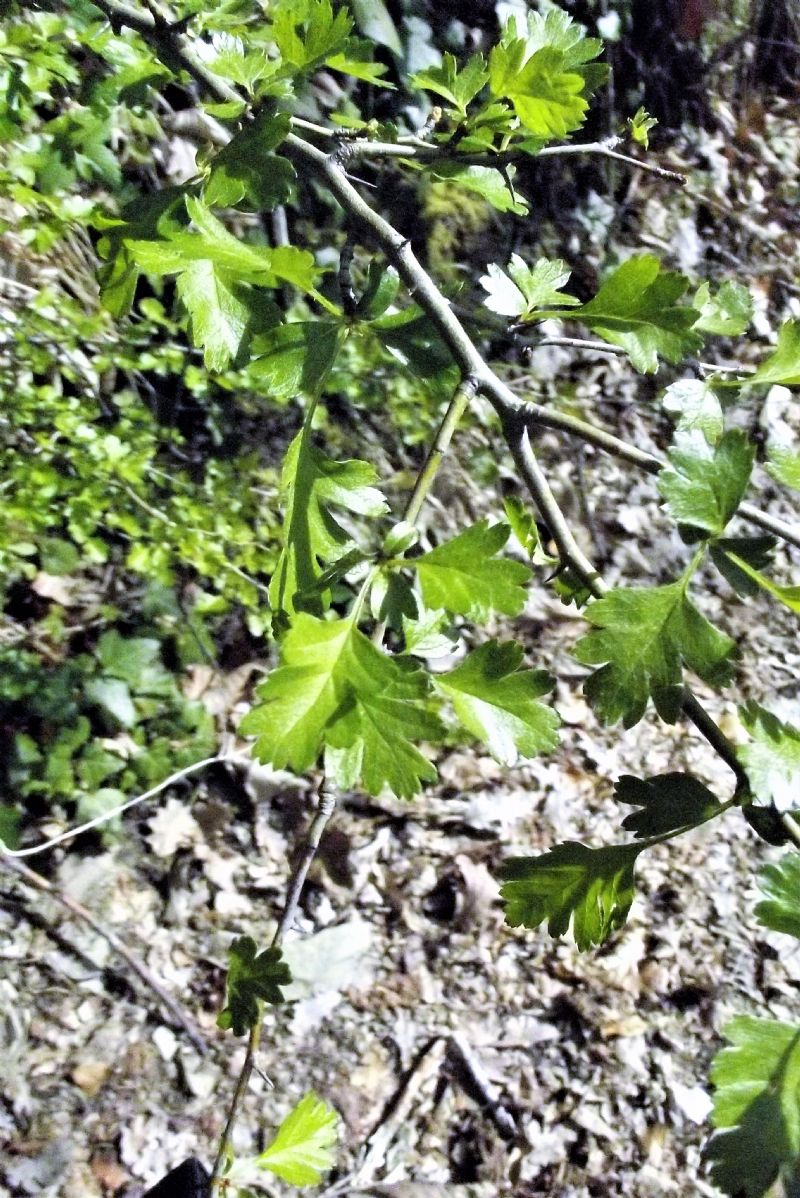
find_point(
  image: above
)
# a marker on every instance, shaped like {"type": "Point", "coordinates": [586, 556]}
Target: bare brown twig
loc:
{"type": "Point", "coordinates": [82, 913]}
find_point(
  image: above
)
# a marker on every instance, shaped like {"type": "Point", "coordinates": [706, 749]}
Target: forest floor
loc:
{"type": "Point", "coordinates": [465, 1057]}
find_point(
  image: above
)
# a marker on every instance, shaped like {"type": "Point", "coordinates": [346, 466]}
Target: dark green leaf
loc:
{"type": "Point", "coordinates": [594, 888]}
{"type": "Point", "coordinates": [755, 551]}
{"type": "Point", "coordinates": [253, 977]}
{"type": "Point", "coordinates": [667, 801]}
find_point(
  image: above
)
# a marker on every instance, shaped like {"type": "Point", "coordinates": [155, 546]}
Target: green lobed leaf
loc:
{"type": "Point", "coordinates": [697, 406]}
{"type": "Point", "coordinates": [592, 888]}
{"type": "Point", "coordinates": [314, 487]}
{"type": "Point", "coordinates": [756, 1106]}
{"type": "Point", "coordinates": [523, 289]}
{"type": "Point", "coordinates": [499, 703]}
{"type": "Point", "coordinates": [667, 802]}
{"type": "Point", "coordinates": [783, 366]}
{"type": "Point", "coordinates": [771, 758]}
{"type": "Point", "coordinates": [303, 1148]}
{"type": "Point", "coordinates": [704, 485]}
{"type": "Point", "coordinates": [544, 73]}
{"type": "Point", "coordinates": [784, 465]}
{"type": "Point", "coordinates": [218, 311]}
{"type": "Point", "coordinates": [524, 528]}
{"type": "Point", "coordinates": [335, 688]}
{"type": "Point", "coordinates": [644, 635]}
{"type": "Point", "coordinates": [728, 313]}
{"type": "Point", "coordinates": [495, 186]}
{"type": "Point", "coordinates": [253, 977]}
{"type": "Point", "coordinates": [780, 885]}
{"type": "Point", "coordinates": [637, 308]}
{"type": "Point", "coordinates": [457, 86]}
{"type": "Point", "coordinates": [247, 169]}
{"type": "Point", "coordinates": [466, 577]}
{"type": "Point", "coordinates": [293, 359]}
{"type": "Point", "coordinates": [307, 31]}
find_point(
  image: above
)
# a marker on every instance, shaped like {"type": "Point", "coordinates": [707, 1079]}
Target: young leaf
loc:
{"type": "Point", "coordinates": [594, 888]}
{"type": "Point", "coordinates": [498, 702]}
{"type": "Point", "coordinates": [780, 884]}
{"type": "Point", "coordinates": [697, 406]}
{"type": "Point", "coordinates": [784, 466]}
{"type": "Point", "coordinates": [545, 74]}
{"type": "Point", "coordinates": [644, 634]}
{"type": "Point", "coordinates": [640, 125]}
{"type": "Point", "coordinates": [456, 86]}
{"type": "Point", "coordinates": [783, 366]}
{"type": "Point", "coordinates": [335, 687]}
{"type": "Point", "coordinates": [253, 977]}
{"type": "Point", "coordinates": [523, 526]}
{"type": "Point", "coordinates": [637, 308]}
{"type": "Point", "coordinates": [524, 289]}
{"type": "Point", "coordinates": [756, 1106]}
{"type": "Point", "coordinates": [303, 1148]}
{"type": "Point", "coordinates": [314, 486]}
{"type": "Point", "coordinates": [703, 486]}
{"type": "Point", "coordinates": [772, 758]}
{"type": "Point", "coordinates": [465, 576]}
{"type": "Point", "coordinates": [667, 802]}
{"type": "Point", "coordinates": [728, 313]}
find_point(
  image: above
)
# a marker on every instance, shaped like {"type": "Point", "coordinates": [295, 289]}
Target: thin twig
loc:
{"type": "Point", "coordinates": [463, 396]}
{"type": "Point", "coordinates": [415, 148]}
{"type": "Point", "coordinates": [96, 822]}
{"type": "Point", "coordinates": [537, 415]}
{"type": "Point", "coordinates": [326, 803]}
{"type": "Point", "coordinates": [83, 913]}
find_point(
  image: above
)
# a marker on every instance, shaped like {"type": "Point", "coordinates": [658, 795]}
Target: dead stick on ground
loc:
{"type": "Point", "coordinates": [77, 909]}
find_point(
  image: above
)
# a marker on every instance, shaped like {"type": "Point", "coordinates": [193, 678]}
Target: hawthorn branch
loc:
{"type": "Point", "coordinates": [399, 252]}
{"type": "Point", "coordinates": [415, 148]}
